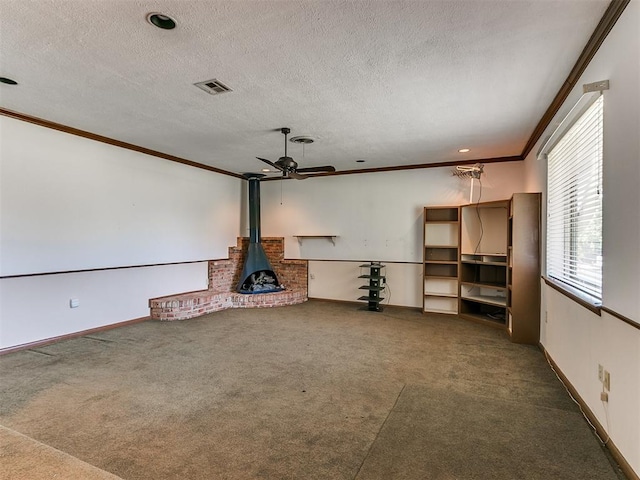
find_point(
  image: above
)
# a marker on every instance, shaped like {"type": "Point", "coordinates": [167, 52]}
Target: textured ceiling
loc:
{"type": "Point", "coordinates": [390, 82]}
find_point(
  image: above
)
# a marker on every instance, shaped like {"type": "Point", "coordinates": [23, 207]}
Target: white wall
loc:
{"type": "Point", "coordinates": [577, 339]}
{"type": "Point", "coordinates": [68, 203]}
{"type": "Point", "coordinates": [339, 281]}
{"type": "Point", "coordinates": [36, 308]}
{"type": "Point", "coordinates": [376, 216]}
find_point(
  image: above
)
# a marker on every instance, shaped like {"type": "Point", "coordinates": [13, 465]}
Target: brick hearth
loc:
{"type": "Point", "coordinates": [223, 278]}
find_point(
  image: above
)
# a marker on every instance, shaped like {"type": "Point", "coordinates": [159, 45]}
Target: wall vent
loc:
{"type": "Point", "coordinates": [213, 87]}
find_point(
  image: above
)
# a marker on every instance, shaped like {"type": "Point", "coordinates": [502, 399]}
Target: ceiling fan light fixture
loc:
{"type": "Point", "coordinates": [161, 20]}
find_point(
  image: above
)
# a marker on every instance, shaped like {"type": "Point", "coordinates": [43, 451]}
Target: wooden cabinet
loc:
{"type": "Point", "coordinates": [523, 320]}
{"type": "Point", "coordinates": [441, 259]}
{"type": "Point", "coordinates": [482, 261]}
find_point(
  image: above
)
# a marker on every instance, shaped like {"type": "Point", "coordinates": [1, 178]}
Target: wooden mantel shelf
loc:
{"type": "Point", "coordinates": [331, 238]}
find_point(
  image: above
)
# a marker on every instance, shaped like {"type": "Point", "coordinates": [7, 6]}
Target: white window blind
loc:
{"type": "Point", "coordinates": [574, 209]}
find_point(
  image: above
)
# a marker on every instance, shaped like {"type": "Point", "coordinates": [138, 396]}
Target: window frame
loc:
{"type": "Point", "coordinates": [578, 286]}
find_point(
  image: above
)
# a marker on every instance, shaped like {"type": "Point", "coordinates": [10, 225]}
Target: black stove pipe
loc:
{"type": "Point", "coordinates": [257, 275]}
{"type": "Point", "coordinates": [254, 207]}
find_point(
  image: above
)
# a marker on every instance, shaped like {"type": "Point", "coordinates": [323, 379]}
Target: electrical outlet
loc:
{"type": "Point", "coordinates": [607, 381]}
{"type": "Point", "coordinates": [600, 373]}
{"type": "Point", "coordinates": [312, 276]}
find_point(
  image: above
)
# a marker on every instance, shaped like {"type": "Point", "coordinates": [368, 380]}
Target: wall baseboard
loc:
{"type": "Point", "coordinates": [363, 303]}
{"type": "Point", "coordinates": [48, 341]}
{"type": "Point", "coordinates": [615, 453]}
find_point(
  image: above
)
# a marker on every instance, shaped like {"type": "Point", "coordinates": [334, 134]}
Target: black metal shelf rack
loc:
{"type": "Point", "coordinates": [375, 286]}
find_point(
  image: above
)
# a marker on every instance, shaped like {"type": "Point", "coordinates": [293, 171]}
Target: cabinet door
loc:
{"type": "Point", "coordinates": [524, 268]}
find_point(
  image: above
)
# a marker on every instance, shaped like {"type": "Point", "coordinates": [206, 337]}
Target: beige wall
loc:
{"type": "Point", "coordinates": [577, 339]}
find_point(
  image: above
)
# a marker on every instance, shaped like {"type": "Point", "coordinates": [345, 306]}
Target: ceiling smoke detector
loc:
{"type": "Point", "coordinates": [213, 87]}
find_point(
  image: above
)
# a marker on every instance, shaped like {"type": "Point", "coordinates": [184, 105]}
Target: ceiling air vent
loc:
{"type": "Point", "coordinates": [213, 87]}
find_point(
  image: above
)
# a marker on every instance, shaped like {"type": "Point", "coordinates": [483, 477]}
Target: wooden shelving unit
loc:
{"type": "Point", "coordinates": [482, 261]}
{"type": "Point", "coordinates": [441, 264]}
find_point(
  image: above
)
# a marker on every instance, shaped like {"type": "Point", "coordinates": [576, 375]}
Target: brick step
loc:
{"type": "Point", "coordinates": [224, 275]}
{"type": "Point", "coordinates": [194, 304]}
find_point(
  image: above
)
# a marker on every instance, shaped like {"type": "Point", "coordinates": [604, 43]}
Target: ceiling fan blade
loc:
{"type": "Point", "coordinates": [324, 168]}
{"type": "Point", "coordinates": [269, 162]}
{"type": "Point", "coordinates": [296, 175]}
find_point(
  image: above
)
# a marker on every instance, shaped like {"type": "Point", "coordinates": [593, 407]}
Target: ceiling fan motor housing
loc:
{"type": "Point", "coordinates": [287, 163]}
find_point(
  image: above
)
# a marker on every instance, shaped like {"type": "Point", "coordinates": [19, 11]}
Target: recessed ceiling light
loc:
{"type": "Point", "coordinates": [360, 161]}
{"type": "Point", "coordinates": [464, 150]}
{"type": "Point", "coordinates": [266, 170]}
{"type": "Point", "coordinates": [8, 81]}
{"type": "Point", "coordinates": [161, 21]}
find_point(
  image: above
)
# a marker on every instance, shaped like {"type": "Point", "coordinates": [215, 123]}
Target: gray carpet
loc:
{"type": "Point", "coordinates": [313, 391]}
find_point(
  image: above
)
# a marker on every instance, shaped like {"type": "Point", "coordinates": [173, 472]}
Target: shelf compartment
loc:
{"type": "Point", "coordinates": [486, 285]}
{"type": "Point", "coordinates": [484, 294]}
{"type": "Point", "coordinates": [484, 258]}
{"type": "Point", "coordinates": [494, 275]}
{"type": "Point", "coordinates": [484, 227]}
{"type": "Point", "coordinates": [441, 253]}
{"type": "Point", "coordinates": [441, 234]}
{"type": "Point", "coordinates": [441, 270]}
{"type": "Point", "coordinates": [441, 214]}
{"type": "Point", "coordinates": [483, 312]}
{"type": "Point", "coordinates": [441, 286]}
{"type": "Point", "coordinates": [436, 304]}
{"type": "Point", "coordinates": [486, 300]}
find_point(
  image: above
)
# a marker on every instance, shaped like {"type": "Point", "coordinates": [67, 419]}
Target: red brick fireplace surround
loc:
{"type": "Point", "coordinates": [223, 278]}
